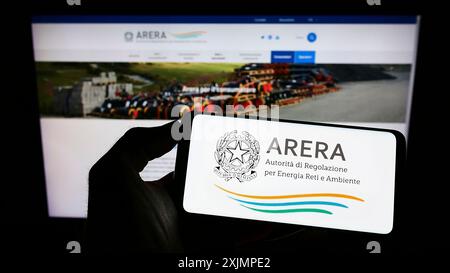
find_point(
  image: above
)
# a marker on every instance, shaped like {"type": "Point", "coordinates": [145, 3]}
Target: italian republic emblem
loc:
{"type": "Point", "coordinates": [237, 156]}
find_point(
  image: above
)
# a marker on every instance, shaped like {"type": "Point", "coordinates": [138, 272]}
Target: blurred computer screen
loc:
{"type": "Point", "coordinates": [98, 76]}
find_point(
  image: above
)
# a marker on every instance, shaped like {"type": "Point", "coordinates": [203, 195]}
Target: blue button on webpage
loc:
{"type": "Point", "coordinates": [312, 37]}
{"type": "Point", "coordinates": [282, 56]}
{"type": "Point", "coordinates": [305, 57]}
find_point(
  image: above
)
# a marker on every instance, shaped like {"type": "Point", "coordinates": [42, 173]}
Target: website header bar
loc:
{"type": "Point", "coordinates": [347, 19]}
{"type": "Point", "coordinates": [304, 43]}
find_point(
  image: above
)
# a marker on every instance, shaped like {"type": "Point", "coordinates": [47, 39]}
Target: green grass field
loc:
{"type": "Point", "coordinates": [52, 75]}
{"type": "Point", "coordinates": [163, 74]}
{"type": "Point", "coordinates": [184, 72]}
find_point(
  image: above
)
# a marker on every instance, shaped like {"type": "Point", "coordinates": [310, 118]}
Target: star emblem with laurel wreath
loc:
{"type": "Point", "coordinates": [237, 156]}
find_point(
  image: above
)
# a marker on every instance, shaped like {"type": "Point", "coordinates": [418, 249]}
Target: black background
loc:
{"type": "Point", "coordinates": [420, 219]}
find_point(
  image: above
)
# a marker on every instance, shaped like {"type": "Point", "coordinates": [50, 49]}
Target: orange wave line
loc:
{"type": "Point", "coordinates": [293, 195]}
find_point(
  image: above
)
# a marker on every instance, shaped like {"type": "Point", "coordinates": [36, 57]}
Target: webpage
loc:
{"type": "Point", "coordinates": [99, 76]}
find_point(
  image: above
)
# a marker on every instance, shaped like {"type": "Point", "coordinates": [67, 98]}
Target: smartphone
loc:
{"type": "Point", "coordinates": [292, 172]}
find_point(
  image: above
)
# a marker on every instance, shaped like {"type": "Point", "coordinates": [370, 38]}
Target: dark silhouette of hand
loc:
{"type": "Point", "coordinates": [126, 215]}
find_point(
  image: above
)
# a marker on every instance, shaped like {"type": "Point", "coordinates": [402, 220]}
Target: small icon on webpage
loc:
{"type": "Point", "coordinates": [128, 36]}
{"type": "Point", "coordinates": [270, 37]}
{"type": "Point", "coordinates": [312, 37]}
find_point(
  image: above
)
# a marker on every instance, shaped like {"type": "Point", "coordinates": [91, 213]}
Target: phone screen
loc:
{"type": "Point", "coordinates": [292, 172]}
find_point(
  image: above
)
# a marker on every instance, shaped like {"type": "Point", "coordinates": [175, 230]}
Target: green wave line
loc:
{"type": "Point", "coordinates": [290, 210]}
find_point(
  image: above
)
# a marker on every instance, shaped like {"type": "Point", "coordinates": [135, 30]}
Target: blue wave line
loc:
{"type": "Point", "coordinates": [292, 203]}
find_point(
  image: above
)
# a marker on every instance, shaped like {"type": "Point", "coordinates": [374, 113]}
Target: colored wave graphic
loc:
{"type": "Point", "coordinates": [188, 35]}
{"type": "Point", "coordinates": [278, 205]}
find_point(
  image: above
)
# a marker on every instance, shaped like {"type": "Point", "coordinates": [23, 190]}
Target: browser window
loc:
{"type": "Point", "coordinates": [99, 76]}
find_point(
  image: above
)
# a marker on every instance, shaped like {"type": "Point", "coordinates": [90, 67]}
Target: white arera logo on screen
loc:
{"type": "Point", "coordinates": [237, 156]}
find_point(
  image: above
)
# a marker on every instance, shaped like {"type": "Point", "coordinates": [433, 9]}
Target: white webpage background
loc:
{"type": "Point", "coordinates": [72, 146]}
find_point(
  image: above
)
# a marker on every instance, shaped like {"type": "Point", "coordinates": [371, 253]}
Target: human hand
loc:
{"type": "Point", "coordinates": [126, 215]}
